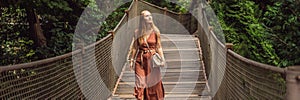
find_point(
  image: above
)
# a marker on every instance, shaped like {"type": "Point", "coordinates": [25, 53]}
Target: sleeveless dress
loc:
{"type": "Point", "coordinates": [148, 83]}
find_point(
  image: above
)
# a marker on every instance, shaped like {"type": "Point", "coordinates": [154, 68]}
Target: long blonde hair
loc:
{"type": "Point", "coordinates": [142, 28]}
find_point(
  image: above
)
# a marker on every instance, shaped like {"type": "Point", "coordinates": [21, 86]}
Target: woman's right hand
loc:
{"type": "Point", "coordinates": [131, 65]}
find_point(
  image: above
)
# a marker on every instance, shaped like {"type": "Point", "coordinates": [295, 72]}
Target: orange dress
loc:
{"type": "Point", "coordinates": [148, 83]}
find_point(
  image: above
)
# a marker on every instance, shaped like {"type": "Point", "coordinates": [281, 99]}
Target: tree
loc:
{"type": "Point", "coordinates": [56, 19]}
{"type": "Point", "coordinates": [265, 31]}
{"type": "Point", "coordinates": [27, 26]}
{"type": "Point", "coordinates": [35, 29]}
{"type": "Point", "coordinates": [242, 27]}
{"type": "Point", "coordinates": [282, 19]}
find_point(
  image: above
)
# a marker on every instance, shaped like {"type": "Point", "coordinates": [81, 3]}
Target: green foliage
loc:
{"type": "Point", "coordinates": [15, 43]}
{"type": "Point", "coordinates": [98, 21]}
{"type": "Point", "coordinates": [176, 6]}
{"type": "Point", "coordinates": [266, 31]}
{"type": "Point", "coordinates": [214, 22]}
{"type": "Point", "coordinates": [58, 20]}
{"type": "Point", "coordinates": [112, 20]}
{"type": "Point", "coordinates": [242, 27]}
{"type": "Point", "coordinates": [282, 19]}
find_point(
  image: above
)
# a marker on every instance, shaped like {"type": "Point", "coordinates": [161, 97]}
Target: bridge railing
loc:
{"type": "Point", "coordinates": [56, 77]}
{"type": "Point", "coordinates": [239, 77]}
{"type": "Point", "coordinates": [60, 77]}
{"type": "Point", "coordinates": [64, 76]}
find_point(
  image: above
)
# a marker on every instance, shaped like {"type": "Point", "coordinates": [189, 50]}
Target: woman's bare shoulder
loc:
{"type": "Point", "coordinates": [136, 31]}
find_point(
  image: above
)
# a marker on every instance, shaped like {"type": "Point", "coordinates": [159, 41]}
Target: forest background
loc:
{"type": "Point", "coordinates": [266, 31]}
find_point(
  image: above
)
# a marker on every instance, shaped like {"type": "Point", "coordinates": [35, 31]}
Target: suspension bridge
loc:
{"type": "Point", "coordinates": [199, 66]}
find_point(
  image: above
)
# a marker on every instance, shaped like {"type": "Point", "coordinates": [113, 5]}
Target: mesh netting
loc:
{"type": "Point", "coordinates": [246, 79]}
{"type": "Point", "coordinates": [70, 76]}
{"type": "Point", "coordinates": [214, 52]}
{"type": "Point", "coordinates": [51, 79]}
{"type": "Point", "coordinates": [237, 77]}
{"type": "Point", "coordinates": [57, 78]}
{"type": "Point", "coordinates": [54, 77]}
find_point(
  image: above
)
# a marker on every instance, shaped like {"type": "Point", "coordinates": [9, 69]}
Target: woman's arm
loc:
{"type": "Point", "coordinates": [159, 47]}
{"type": "Point", "coordinates": [133, 50]}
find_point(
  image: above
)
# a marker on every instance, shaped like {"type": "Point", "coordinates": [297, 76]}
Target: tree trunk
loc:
{"type": "Point", "coordinates": [35, 28]}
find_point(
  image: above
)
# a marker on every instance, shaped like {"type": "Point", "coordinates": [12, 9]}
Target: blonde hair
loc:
{"type": "Point", "coordinates": [142, 28]}
{"type": "Point", "coordinates": [139, 35]}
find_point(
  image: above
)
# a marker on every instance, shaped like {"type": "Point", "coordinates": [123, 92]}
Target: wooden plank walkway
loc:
{"type": "Point", "coordinates": [183, 77]}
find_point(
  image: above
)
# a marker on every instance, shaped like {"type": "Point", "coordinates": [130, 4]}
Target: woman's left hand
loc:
{"type": "Point", "coordinates": [163, 63]}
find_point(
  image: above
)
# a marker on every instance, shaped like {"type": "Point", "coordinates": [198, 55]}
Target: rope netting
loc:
{"type": "Point", "coordinates": [232, 76]}
{"type": "Point", "coordinates": [55, 77]}
{"type": "Point", "coordinates": [246, 79]}
{"type": "Point", "coordinates": [213, 50]}
{"type": "Point", "coordinates": [44, 79]}
{"type": "Point", "coordinates": [72, 76]}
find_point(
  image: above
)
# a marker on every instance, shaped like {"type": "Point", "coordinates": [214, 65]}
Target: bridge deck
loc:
{"type": "Point", "coordinates": [184, 74]}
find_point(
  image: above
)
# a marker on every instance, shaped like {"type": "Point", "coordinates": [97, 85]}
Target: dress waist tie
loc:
{"type": "Point", "coordinates": [144, 52]}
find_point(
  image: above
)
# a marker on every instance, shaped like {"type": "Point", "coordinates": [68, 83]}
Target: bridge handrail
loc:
{"type": "Point", "coordinates": [206, 36]}
{"type": "Point", "coordinates": [245, 78]}
{"type": "Point", "coordinates": [257, 64]}
{"type": "Point", "coordinates": [48, 60]}
{"type": "Point", "coordinates": [36, 63]}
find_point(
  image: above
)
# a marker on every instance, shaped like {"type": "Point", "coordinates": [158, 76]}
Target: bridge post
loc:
{"type": "Point", "coordinates": [229, 46]}
{"type": "Point", "coordinates": [79, 58]}
{"type": "Point", "coordinates": [293, 83]}
{"type": "Point", "coordinates": [165, 18]}
{"type": "Point", "coordinates": [112, 33]}
{"type": "Point", "coordinates": [127, 12]}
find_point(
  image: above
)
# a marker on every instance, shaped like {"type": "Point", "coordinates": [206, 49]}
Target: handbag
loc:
{"type": "Point", "coordinates": [156, 59]}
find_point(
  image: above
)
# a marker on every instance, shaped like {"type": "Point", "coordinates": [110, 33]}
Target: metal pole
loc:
{"type": "Point", "coordinates": [293, 83]}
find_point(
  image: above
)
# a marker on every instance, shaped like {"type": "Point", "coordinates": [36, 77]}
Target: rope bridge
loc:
{"type": "Point", "coordinates": [224, 74]}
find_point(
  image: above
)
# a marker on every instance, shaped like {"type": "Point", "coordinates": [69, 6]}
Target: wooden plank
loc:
{"type": "Point", "coordinates": [175, 67]}
{"type": "Point", "coordinates": [170, 97]}
{"type": "Point", "coordinates": [181, 60]}
{"type": "Point", "coordinates": [178, 44]}
{"type": "Point", "coordinates": [187, 74]}
{"type": "Point", "coordinates": [174, 75]}
{"type": "Point", "coordinates": [181, 49]}
{"type": "Point", "coordinates": [176, 35]}
{"type": "Point", "coordinates": [167, 79]}
{"type": "Point", "coordinates": [167, 91]}
{"type": "Point", "coordinates": [178, 39]}
{"type": "Point", "coordinates": [183, 64]}
{"type": "Point", "coordinates": [168, 85]}
{"type": "Point", "coordinates": [170, 88]}
{"type": "Point", "coordinates": [173, 71]}
{"type": "Point", "coordinates": [186, 83]}
{"type": "Point", "coordinates": [174, 91]}
{"type": "Point", "coordinates": [181, 55]}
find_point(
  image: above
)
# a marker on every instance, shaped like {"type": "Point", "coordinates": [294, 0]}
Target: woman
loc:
{"type": "Point", "coordinates": [148, 84]}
